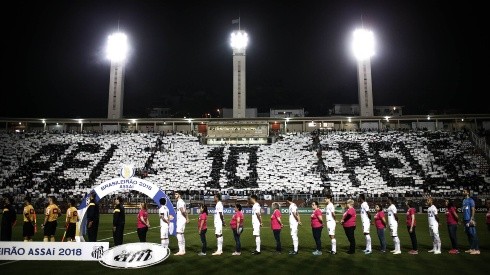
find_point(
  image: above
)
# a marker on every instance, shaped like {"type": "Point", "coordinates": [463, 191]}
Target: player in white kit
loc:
{"type": "Point", "coordinates": [330, 218]}
{"type": "Point", "coordinates": [294, 221]}
{"type": "Point", "coordinates": [256, 222]}
{"type": "Point", "coordinates": [393, 225]}
{"type": "Point", "coordinates": [366, 222]}
{"type": "Point", "coordinates": [219, 222]}
{"type": "Point", "coordinates": [433, 226]}
{"type": "Point", "coordinates": [164, 222]}
{"type": "Point", "coordinates": [182, 220]}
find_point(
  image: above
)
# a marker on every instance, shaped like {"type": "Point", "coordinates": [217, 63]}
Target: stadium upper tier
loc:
{"type": "Point", "coordinates": [375, 163]}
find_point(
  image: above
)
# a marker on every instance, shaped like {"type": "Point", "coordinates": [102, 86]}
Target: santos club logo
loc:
{"type": "Point", "coordinates": [134, 255]}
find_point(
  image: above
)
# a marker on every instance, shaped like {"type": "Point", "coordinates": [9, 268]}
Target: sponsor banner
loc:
{"type": "Point", "coordinates": [458, 209]}
{"type": "Point", "coordinates": [131, 184]}
{"type": "Point", "coordinates": [134, 255]}
{"type": "Point", "coordinates": [123, 183]}
{"type": "Point", "coordinates": [231, 211]}
{"type": "Point", "coordinates": [53, 251]}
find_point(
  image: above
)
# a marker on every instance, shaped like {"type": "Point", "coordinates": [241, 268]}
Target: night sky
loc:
{"type": "Point", "coordinates": [429, 55]}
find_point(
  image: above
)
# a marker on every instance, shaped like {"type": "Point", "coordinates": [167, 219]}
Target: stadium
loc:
{"type": "Point", "coordinates": [357, 150]}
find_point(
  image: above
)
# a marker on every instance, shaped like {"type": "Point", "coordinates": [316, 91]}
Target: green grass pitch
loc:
{"type": "Point", "coordinates": [268, 262]}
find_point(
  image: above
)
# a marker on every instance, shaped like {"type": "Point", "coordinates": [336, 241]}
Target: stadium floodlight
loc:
{"type": "Point", "coordinates": [117, 47]}
{"type": "Point", "coordinates": [239, 40]}
{"type": "Point", "coordinates": [363, 45]}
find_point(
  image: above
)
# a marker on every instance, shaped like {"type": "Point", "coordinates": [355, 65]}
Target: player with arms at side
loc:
{"type": "Point", "coordinates": [366, 222]}
{"type": "Point", "coordinates": [182, 220]}
{"type": "Point", "coordinates": [163, 212]}
{"type": "Point", "coordinates": [219, 222]}
{"type": "Point", "coordinates": [294, 221]}
{"type": "Point", "coordinates": [393, 225]}
{"type": "Point", "coordinates": [433, 226]}
{"type": "Point", "coordinates": [256, 222]}
{"type": "Point", "coordinates": [331, 223]}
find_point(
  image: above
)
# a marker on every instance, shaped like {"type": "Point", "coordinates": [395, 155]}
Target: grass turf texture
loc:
{"type": "Point", "coordinates": [268, 262]}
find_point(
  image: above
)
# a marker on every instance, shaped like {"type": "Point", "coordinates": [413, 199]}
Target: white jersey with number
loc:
{"type": "Point", "coordinates": [180, 205]}
{"type": "Point", "coordinates": [329, 211]}
{"type": "Point", "coordinates": [255, 212]}
{"type": "Point", "coordinates": [292, 209]}
{"type": "Point", "coordinates": [164, 213]}
{"type": "Point", "coordinates": [391, 215]}
{"type": "Point", "coordinates": [218, 210]}
{"type": "Point", "coordinates": [364, 212]}
{"type": "Point", "coordinates": [432, 213]}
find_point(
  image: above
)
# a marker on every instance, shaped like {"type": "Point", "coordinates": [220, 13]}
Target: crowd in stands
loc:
{"type": "Point", "coordinates": [408, 163]}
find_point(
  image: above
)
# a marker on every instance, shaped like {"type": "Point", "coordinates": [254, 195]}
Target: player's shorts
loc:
{"type": "Point", "coordinates": [70, 231]}
{"type": "Point", "coordinates": [366, 227]}
{"type": "Point", "coordinates": [28, 229]}
{"type": "Point", "coordinates": [294, 229]}
{"type": "Point", "coordinates": [433, 230]}
{"type": "Point", "coordinates": [393, 229]}
{"type": "Point", "coordinates": [331, 228]}
{"type": "Point", "coordinates": [218, 228]}
{"type": "Point", "coordinates": [180, 227]}
{"type": "Point", "coordinates": [164, 231]}
{"type": "Point", "coordinates": [256, 231]}
{"type": "Point", "coordinates": [50, 228]}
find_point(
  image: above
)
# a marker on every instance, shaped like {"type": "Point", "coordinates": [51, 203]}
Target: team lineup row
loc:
{"type": "Point", "coordinates": [348, 221]}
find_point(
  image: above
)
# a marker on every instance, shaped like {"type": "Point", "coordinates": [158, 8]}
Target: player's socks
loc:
{"type": "Point", "coordinates": [257, 243]}
{"type": "Point", "coordinates": [368, 242]}
{"type": "Point", "coordinates": [295, 243]}
{"type": "Point", "coordinates": [220, 244]}
{"type": "Point", "coordinates": [334, 245]}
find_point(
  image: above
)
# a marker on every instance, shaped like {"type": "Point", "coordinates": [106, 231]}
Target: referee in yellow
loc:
{"type": "Point", "coordinates": [71, 221]}
{"type": "Point", "coordinates": [51, 220]}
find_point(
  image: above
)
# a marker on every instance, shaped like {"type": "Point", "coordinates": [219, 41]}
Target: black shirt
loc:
{"type": "Point", "coordinates": [119, 216]}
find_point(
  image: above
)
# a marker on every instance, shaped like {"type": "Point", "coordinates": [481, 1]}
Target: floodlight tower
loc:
{"type": "Point", "coordinates": [363, 47]}
{"type": "Point", "coordinates": [117, 49]}
{"type": "Point", "coordinates": [239, 41]}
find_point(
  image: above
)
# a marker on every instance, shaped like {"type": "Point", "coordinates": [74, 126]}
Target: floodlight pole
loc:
{"type": "Point", "coordinates": [117, 53]}
{"type": "Point", "coordinates": [363, 45]}
{"type": "Point", "coordinates": [239, 43]}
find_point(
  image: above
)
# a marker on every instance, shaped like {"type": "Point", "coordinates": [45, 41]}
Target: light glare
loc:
{"type": "Point", "coordinates": [363, 45]}
{"type": "Point", "coordinates": [117, 47]}
{"type": "Point", "coordinates": [239, 40]}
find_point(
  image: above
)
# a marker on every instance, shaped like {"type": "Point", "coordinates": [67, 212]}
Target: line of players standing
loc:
{"type": "Point", "coordinates": [348, 221]}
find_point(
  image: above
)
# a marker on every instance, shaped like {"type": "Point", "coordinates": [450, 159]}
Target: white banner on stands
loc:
{"type": "Point", "coordinates": [53, 251]}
